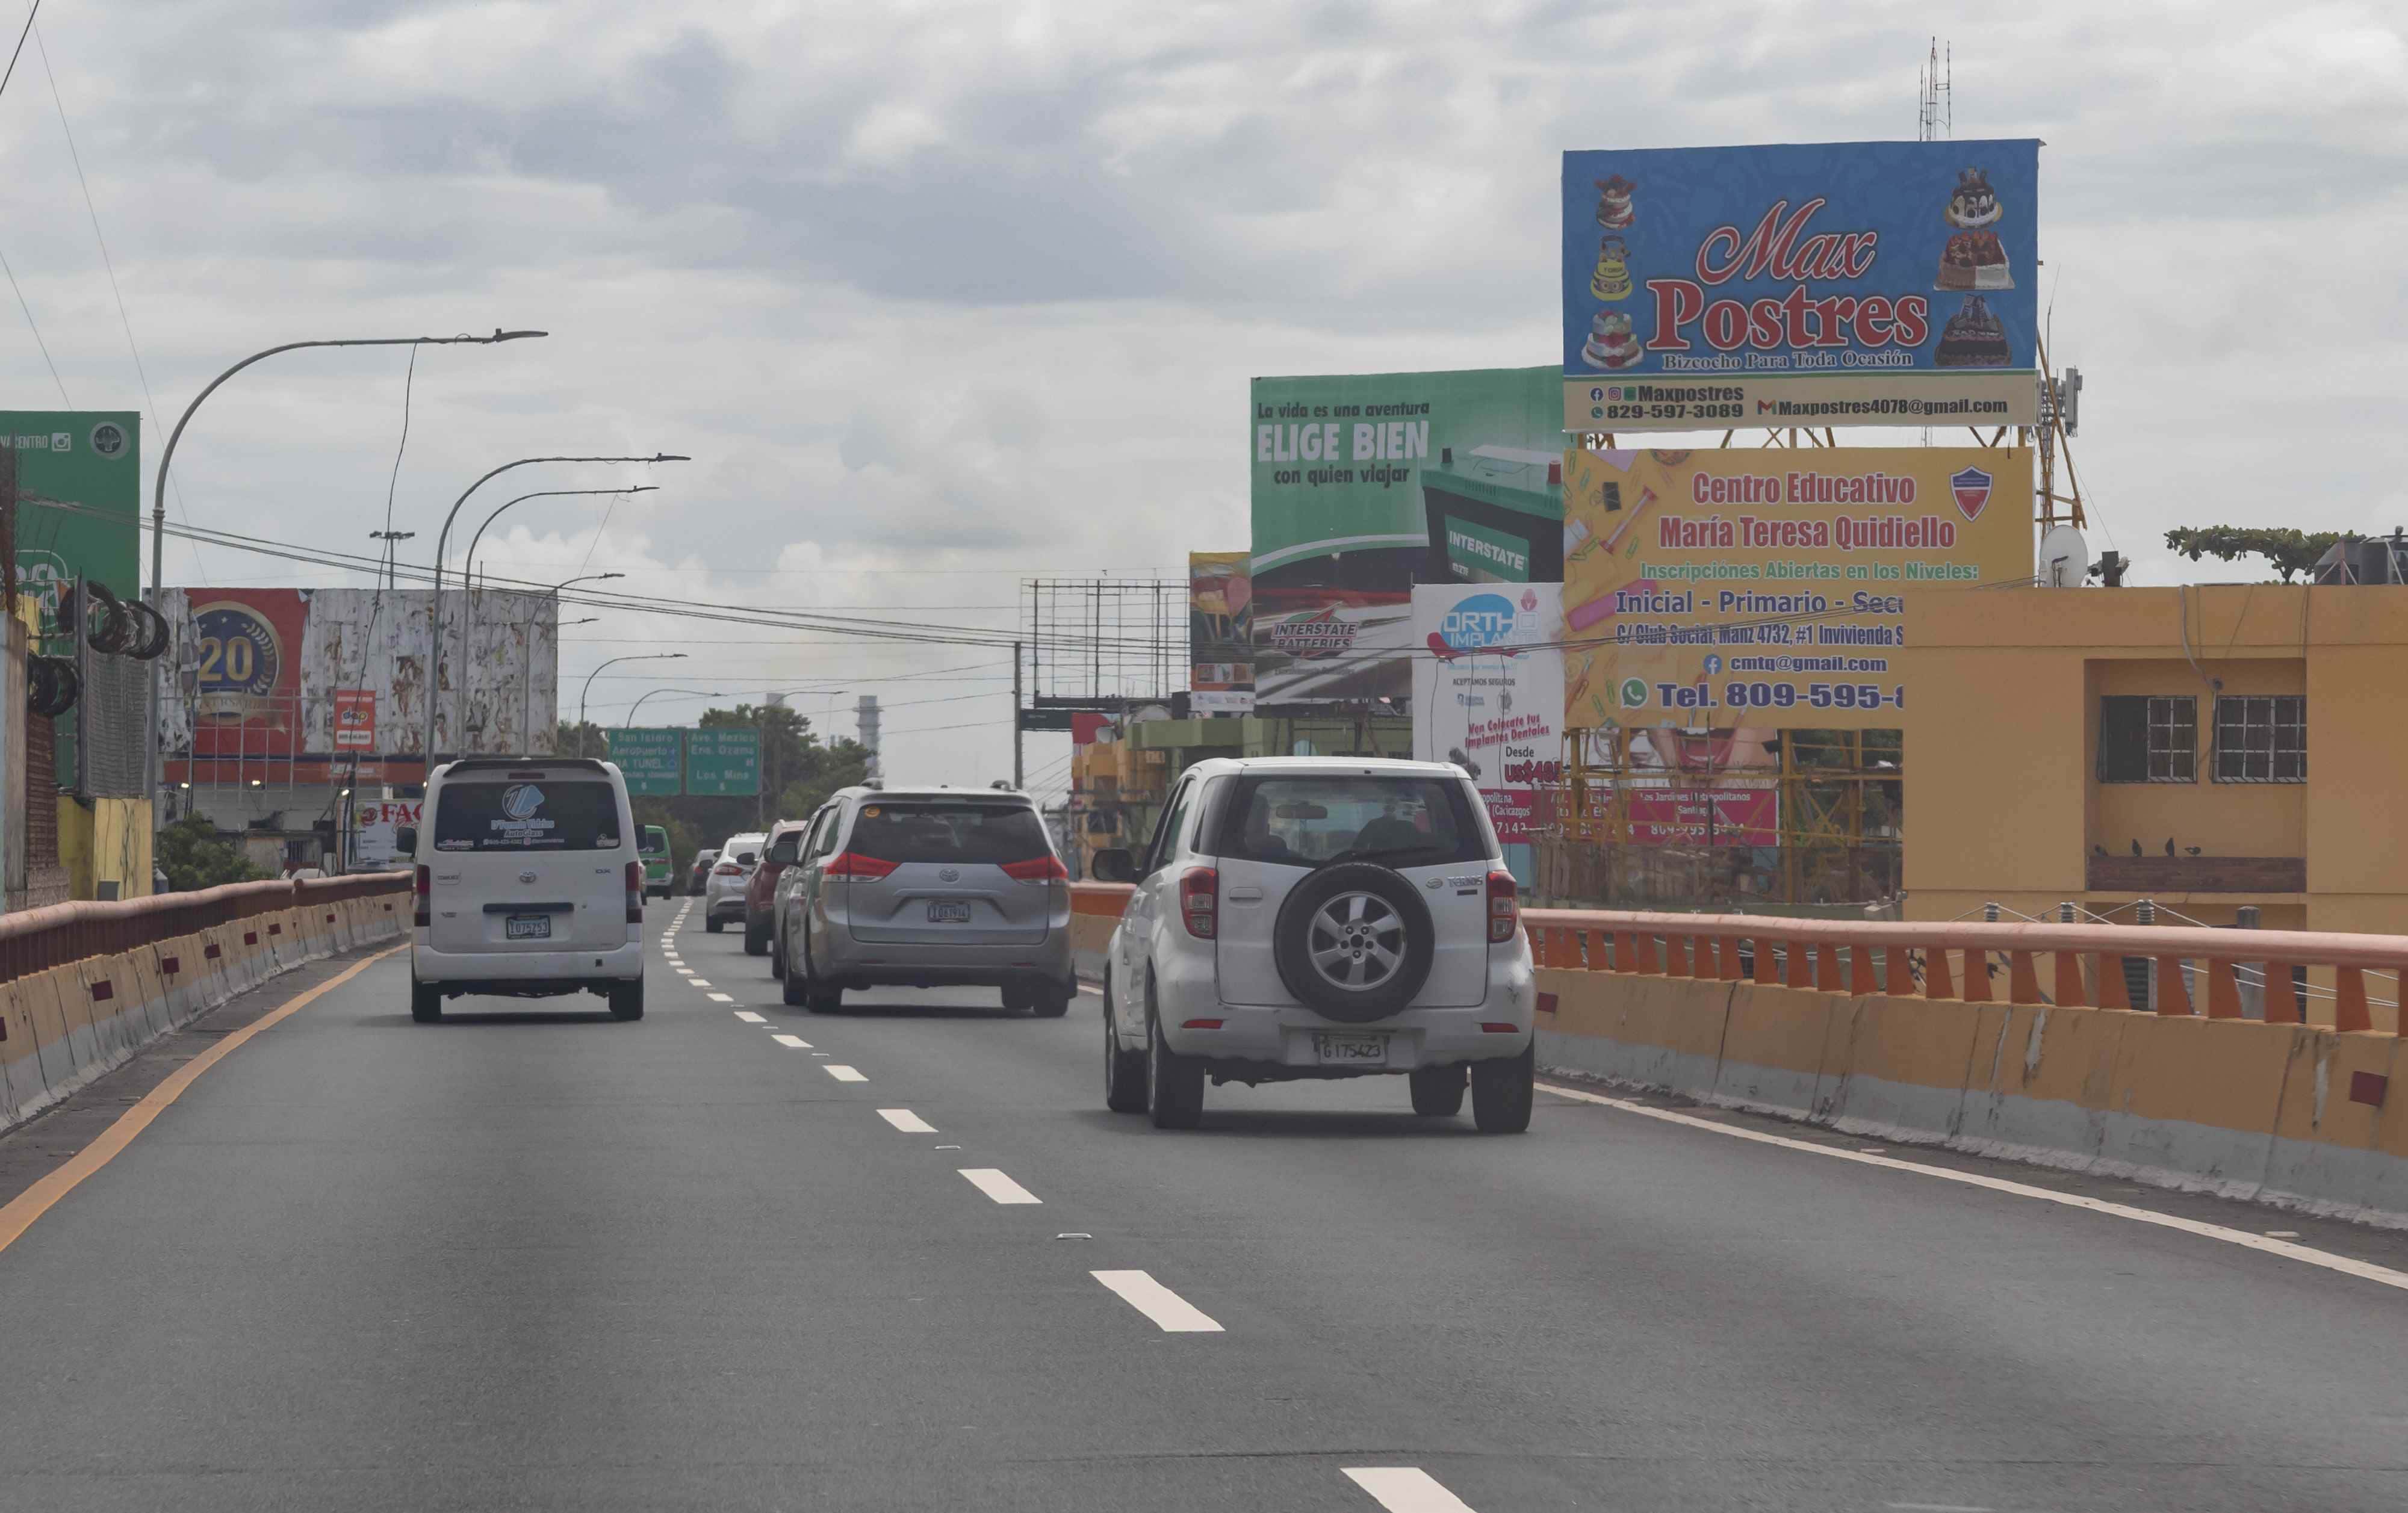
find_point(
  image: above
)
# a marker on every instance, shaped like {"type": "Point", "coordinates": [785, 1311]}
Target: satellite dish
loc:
{"type": "Point", "coordinates": [2064, 558]}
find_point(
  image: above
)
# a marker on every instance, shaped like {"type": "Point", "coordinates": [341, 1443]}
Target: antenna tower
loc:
{"type": "Point", "coordinates": [1935, 111]}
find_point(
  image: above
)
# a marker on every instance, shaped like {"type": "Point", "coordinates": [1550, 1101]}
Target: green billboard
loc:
{"type": "Point", "coordinates": [652, 758]}
{"type": "Point", "coordinates": [724, 762]}
{"type": "Point", "coordinates": [91, 460]}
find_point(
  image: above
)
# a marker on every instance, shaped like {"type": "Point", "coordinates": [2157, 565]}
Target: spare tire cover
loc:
{"type": "Point", "coordinates": [1353, 941]}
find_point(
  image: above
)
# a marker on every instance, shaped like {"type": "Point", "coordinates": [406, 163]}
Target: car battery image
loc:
{"type": "Point", "coordinates": [1496, 516]}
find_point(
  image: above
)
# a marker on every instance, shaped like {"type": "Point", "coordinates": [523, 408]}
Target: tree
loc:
{"type": "Point", "coordinates": [2290, 551]}
{"type": "Point", "coordinates": [192, 856]}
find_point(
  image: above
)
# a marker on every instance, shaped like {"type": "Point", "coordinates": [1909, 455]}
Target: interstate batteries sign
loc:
{"type": "Point", "coordinates": [1761, 587]}
{"type": "Point", "coordinates": [1847, 283]}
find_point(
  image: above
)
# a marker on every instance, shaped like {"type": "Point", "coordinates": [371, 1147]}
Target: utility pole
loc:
{"type": "Point", "coordinates": [1016, 776]}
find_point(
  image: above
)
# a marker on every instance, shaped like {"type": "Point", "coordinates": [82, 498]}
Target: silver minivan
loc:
{"type": "Point", "coordinates": [927, 888]}
{"type": "Point", "coordinates": [529, 884]}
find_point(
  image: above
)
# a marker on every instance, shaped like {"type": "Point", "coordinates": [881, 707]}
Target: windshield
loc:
{"type": "Point", "coordinates": [527, 817]}
{"type": "Point", "coordinates": [654, 841]}
{"type": "Point", "coordinates": [1311, 820]}
{"type": "Point", "coordinates": [920, 831]}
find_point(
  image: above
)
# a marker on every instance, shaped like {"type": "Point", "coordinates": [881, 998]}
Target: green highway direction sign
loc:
{"type": "Point", "coordinates": [724, 761]}
{"type": "Point", "coordinates": [652, 758]}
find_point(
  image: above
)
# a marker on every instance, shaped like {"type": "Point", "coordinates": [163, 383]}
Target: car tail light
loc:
{"type": "Point", "coordinates": [424, 888]}
{"type": "Point", "coordinates": [728, 869]}
{"type": "Point", "coordinates": [635, 892]}
{"type": "Point", "coordinates": [854, 864]}
{"type": "Point", "coordinates": [1038, 869]}
{"type": "Point", "coordinates": [1504, 906]}
{"type": "Point", "coordinates": [1199, 902]}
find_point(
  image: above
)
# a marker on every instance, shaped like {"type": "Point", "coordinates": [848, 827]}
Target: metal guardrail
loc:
{"type": "Point", "coordinates": [36, 940]}
{"type": "Point", "coordinates": [1945, 961]}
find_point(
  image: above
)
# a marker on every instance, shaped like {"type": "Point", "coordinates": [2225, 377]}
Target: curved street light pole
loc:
{"type": "Point", "coordinates": [442, 544]}
{"type": "Point", "coordinates": [468, 617]}
{"type": "Point", "coordinates": [697, 693]}
{"type": "Point", "coordinates": [633, 656]}
{"type": "Point", "coordinates": [166, 458]}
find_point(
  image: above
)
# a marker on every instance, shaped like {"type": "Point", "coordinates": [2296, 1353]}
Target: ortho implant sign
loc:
{"type": "Point", "coordinates": [1847, 283]}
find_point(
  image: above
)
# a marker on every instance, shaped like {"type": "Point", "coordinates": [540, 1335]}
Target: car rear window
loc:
{"type": "Point", "coordinates": [1307, 820]}
{"type": "Point", "coordinates": [547, 816]}
{"type": "Point", "coordinates": [654, 841]}
{"type": "Point", "coordinates": [947, 831]}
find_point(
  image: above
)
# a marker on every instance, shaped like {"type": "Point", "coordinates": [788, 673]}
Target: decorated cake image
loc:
{"type": "Point", "coordinates": [1973, 339]}
{"type": "Point", "coordinates": [1613, 202]}
{"type": "Point", "coordinates": [1973, 206]}
{"type": "Point", "coordinates": [1612, 279]}
{"type": "Point", "coordinates": [1973, 260]}
{"type": "Point", "coordinates": [1609, 343]}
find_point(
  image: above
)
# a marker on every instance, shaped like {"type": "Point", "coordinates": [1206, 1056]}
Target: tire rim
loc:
{"type": "Point", "coordinates": [1355, 942]}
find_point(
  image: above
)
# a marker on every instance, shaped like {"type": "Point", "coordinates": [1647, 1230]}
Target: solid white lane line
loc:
{"type": "Point", "coordinates": [719, 997]}
{"type": "Point", "coordinates": [995, 1185]}
{"type": "Point", "coordinates": [748, 1017]}
{"type": "Point", "coordinates": [794, 1041]}
{"type": "Point", "coordinates": [1405, 1488]}
{"type": "Point", "coordinates": [842, 1073]}
{"type": "Point", "coordinates": [1089, 987]}
{"type": "Point", "coordinates": [906, 1120]}
{"type": "Point", "coordinates": [1172, 1313]}
{"type": "Point", "coordinates": [2346, 1265]}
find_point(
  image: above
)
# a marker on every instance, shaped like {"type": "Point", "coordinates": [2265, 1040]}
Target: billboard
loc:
{"type": "Point", "coordinates": [1489, 691]}
{"type": "Point", "coordinates": [93, 460]}
{"type": "Point", "coordinates": [1843, 283]}
{"type": "Point", "coordinates": [1705, 816]}
{"type": "Point", "coordinates": [1767, 587]}
{"type": "Point", "coordinates": [1220, 653]}
{"type": "Point", "coordinates": [328, 673]}
{"type": "Point", "coordinates": [1365, 484]}
{"type": "Point", "coordinates": [374, 827]}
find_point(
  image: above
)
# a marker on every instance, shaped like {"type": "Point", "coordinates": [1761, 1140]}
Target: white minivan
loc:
{"type": "Point", "coordinates": [529, 883]}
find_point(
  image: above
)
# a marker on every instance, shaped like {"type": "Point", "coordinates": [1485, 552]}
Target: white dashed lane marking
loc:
{"type": "Point", "coordinates": [698, 982]}
{"type": "Point", "coordinates": [1172, 1313]}
{"type": "Point", "coordinates": [748, 1017]}
{"type": "Point", "coordinates": [995, 1185]}
{"type": "Point", "coordinates": [906, 1120]}
{"type": "Point", "coordinates": [719, 997]}
{"type": "Point", "coordinates": [1405, 1488]}
{"type": "Point", "coordinates": [794, 1042]}
{"type": "Point", "coordinates": [842, 1073]}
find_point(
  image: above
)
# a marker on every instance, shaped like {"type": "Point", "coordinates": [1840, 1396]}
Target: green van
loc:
{"type": "Point", "coordinates": [653, 845]}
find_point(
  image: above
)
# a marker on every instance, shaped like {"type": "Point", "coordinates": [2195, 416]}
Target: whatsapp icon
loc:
{"type": "Point", "coordinates": [1634, 692]}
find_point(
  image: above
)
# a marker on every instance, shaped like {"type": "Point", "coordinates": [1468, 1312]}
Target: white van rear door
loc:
{"type": "Point", "coordinates": [529, 860]}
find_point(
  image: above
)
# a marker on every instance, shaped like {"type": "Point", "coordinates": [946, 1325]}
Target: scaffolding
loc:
{"type": "Point", "coordinates": [1102, 640]}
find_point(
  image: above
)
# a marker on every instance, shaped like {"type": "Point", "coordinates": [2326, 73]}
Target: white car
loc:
{"type": "Point", "coordinates": [722, 892]}
{"type": "Point", "coordinates": [1319, 916]}
{"type": "Point", "coordinates": [529, 884]}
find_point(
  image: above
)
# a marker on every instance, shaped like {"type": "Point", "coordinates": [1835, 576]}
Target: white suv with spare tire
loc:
{"type": "Point", "coordinates": [1304, 918]}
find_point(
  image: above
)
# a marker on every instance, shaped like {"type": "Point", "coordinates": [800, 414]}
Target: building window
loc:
{"type": "Point", "coordinates": [2148, 739]}
{"type": "Point", "coordinates": [2261, 740]}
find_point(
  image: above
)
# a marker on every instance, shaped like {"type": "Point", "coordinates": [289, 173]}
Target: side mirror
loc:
{"type": "Point", "coordinates": [1114, 865]}
{"type": "Point", "coordinates": [404, 839]}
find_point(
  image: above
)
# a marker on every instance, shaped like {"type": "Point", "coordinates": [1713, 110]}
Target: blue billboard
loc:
{"type": "Point", "coordinates": [1837, 283]}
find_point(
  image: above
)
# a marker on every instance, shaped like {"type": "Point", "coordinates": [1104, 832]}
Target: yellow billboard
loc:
{"type": "Point", "coordinates": [1768, 586]}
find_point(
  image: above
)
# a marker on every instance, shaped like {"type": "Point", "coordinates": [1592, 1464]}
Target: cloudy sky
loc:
{"type": "Point", "coordinates": [939, 295]}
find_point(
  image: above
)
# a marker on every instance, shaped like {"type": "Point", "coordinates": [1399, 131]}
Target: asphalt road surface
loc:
{"type": "Point", "coordinates": [739, 1256]}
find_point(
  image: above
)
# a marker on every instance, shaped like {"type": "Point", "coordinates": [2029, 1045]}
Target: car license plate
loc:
{"type": "Point", "coordinates": [527, 927]}
{"type": "Point", "coordinates": [1350, 1049]}
{"type": "Point", "coordinates": [942, 912]}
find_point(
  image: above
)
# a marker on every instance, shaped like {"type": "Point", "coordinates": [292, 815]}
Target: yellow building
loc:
{"type": "Point", "coordinates": [2256, 731]}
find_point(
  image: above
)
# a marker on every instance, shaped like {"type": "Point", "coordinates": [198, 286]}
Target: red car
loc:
{"type": "Point", "coordinates": [761, 889]}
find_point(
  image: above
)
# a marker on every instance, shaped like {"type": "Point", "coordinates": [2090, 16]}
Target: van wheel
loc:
{"type": "Point", "coordinates": [426, 1003]}
{"type": "Point", "coordinates": [757, 939]}
{"type": "Point", "coordinates": [1438, 1091]}
{"type": "Point", "coordinates": [1017, 999]}
{"type": "Point", "coordinates": [1503, 1092]}
{"type": "Point", "coordinates": [1174, 1084]}
{"type": "Point", "coordinates": [794, 989]}
{"type": "Point", "coordinates": [1124, 1070]}
{"type": "Point", "coordinates": [778, 958]}
{"type": "Point", "coordinates": [1050, 1000]}
{"type": "Point", "coordinates": [627, 1000]}
{"type": "Point", "coordinates": [825, 997]}
{"type": "Point", "coordinates": [714, 923]}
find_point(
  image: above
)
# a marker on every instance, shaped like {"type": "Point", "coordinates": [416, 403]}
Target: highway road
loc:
{"type": "Point", "coordinates": [737, 1256]}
